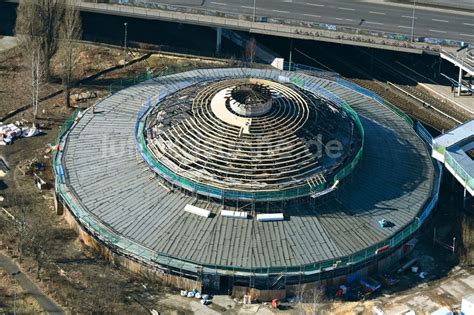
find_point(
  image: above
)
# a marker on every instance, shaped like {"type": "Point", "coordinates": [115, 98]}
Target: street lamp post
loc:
{"type": "Point", "coordinates": [291, 54]}
{"type": "Point", "coordinates": [413, 22]}
{"type": "Point", "coordinates": [254, 9]}
{"type": "Point", "coordinates": [125, 40]}
{"type": "Point", "coordinates": [459, 93]}
{"type": "Point", "coordinates": [14, 274]}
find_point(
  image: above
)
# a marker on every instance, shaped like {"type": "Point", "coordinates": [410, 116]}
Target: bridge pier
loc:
{"type": "Point", "coordinates": [218, 39]}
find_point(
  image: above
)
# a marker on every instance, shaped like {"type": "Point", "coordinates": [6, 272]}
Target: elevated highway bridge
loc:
{"type": "Point", "coordinates": [406, 26]}
{"type": "Point", "coordinates": [371, 23]}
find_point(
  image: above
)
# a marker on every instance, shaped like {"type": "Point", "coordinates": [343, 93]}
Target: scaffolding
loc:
{"type": "Point", "coordinates": [275, 275]}
{"type": "Point", "coordinates": [150, 151]}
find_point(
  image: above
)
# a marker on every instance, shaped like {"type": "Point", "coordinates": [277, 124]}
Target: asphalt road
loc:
{"type": "Point", "coordinates": [29, 287]}
{"type": "Point", "coordinates": [367, 14]}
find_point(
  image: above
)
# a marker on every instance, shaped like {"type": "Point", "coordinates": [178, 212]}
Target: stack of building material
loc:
{"type": "Point", "coordinates": [9, 132]}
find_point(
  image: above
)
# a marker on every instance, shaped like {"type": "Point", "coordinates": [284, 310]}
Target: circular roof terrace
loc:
{"type": "Point", "coordinates": [284, 143]}
{"type": "Point", "coordinates": [115, 196]}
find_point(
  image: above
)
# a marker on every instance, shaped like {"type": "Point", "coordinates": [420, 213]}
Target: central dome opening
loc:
{"type": "Point", "coordinates": [251, 139]}
{"type": "Point", "coordinates": [250, 99]}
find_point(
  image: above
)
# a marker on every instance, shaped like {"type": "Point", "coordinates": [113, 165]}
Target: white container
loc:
{"type": "Point", "coordinates": [234, 214]}
{"type": "Point", "coordinates": [266, 217]}
{"type": "Point", "coordinates": [198, 211]}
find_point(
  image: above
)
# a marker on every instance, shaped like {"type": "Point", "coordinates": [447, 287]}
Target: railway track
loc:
{"type": "Point", "coordinates": [413, 108]}
{"type": "Point", "coordinates": [409, 82]}
{"type": "Point", "coordinates": [375, 75]}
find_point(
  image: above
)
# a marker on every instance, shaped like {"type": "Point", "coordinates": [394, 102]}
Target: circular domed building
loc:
{"type": "Point", "coordinates": [226, 179]}
{"type": "Point", "coordinates": [251, 140]}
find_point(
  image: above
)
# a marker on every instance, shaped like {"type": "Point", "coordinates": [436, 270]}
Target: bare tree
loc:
{"type": "Point", "coordinates": [312, 296]}
{"type": "Point", "coordinates": [40, 236]}
{"type": "Point", "coordinates": [71, 31]}
{"type": "Point", "coordinates": [33, 233]}
{"type": "Point", "coordinates": [21, 208]}
{"type": "Point", "coordinates": [317, 297]}
{"type": "Point", "coordinates": [300, 297]}
{"type": "Point", "coordinates": [251, 50]}
{"type": "Point", "coordinates": [39, 21]}
{"type": "Point", "coordinates": [38, 74]}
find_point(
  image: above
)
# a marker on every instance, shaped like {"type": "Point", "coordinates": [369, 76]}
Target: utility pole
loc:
{"type": "Point", "coordinates": [125, 41]}
{"type": "Point", "coordinates": [413, 22]}
{"type": "Point", "coordinates": [254, 9]}
{"type": "Point", "coordinates": [291, 55]}
{"type": "Point", "coordinates": [460, 76]}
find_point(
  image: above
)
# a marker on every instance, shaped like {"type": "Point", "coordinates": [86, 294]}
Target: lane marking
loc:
{"type": "Point", "coordinates": [218, 3]}
{"type": "Point", "coordinates": [470, 24]}
{"type": "Point", "coordinates": [375, 23]}
{"type": "Point", "coordinates": [470, 35]}
{"type": "Point", "coordinates": [340, 19]}
{"type": "Point", "coordinates": [246, 7]}
{"type": "Point", "coordinates": [409, 17]}
{"type": "Point", "coordinates": [443, 21]}
{"type": "Point", "coordinates": [278, 11]}
{"type": "Point", "coordinates": [401, 26]}
{"type": "Point", "coordinates": [375, 12]}
{"type": "Point", "coordinates": [312, 15]}
{"type": "Point", "coordinates": [315, 4]}
{"type": "Point", "coordinates": [436, 31]}
{"type": "Point", "coordinates": [346, 9]}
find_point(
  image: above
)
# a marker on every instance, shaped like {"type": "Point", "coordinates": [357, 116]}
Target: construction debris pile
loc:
{"type": "Point", "coordinates": [11, 132]}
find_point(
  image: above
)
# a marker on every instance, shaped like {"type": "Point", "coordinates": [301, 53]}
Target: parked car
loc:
{"type": "Point", "coordinates": [388, 280]}
{"type": "Point", "coordinates": [370, 284]}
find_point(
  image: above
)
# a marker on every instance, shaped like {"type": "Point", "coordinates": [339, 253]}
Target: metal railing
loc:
{"type": "Point", "coordinates": [459, 170]}
{"type": "Point", "coordinates": [123, 246]}
{"type": "Point", "coordinates": [266, 23]}
{"type": "Point", "coordinates": [466, 60]}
